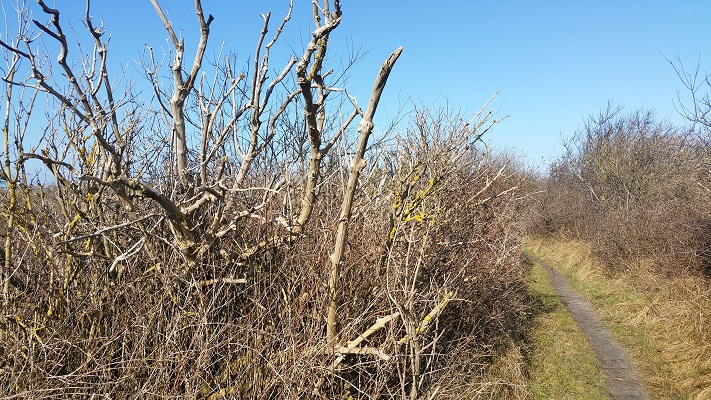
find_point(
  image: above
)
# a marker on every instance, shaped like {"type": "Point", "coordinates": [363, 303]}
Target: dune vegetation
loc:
{"type": "Point", "coordinates": [218, 228]}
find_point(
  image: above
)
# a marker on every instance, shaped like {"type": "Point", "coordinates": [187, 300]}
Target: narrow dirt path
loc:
{"type": "Point", "coordinates": [621, 380]}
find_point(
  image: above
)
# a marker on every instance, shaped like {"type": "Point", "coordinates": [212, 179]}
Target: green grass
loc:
{"type": "Point", "coordinates": [562, 364]}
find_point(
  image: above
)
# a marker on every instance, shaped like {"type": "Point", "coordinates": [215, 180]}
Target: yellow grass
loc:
{"type": "Point", "coordinates": [664, 322]}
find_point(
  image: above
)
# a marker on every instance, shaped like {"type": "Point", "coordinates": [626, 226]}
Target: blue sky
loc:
{"type": "Point", "coordinates": [555, 62]}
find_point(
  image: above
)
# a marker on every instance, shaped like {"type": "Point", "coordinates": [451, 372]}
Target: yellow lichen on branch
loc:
{"type": "Point", "coordinates": [431, 316]}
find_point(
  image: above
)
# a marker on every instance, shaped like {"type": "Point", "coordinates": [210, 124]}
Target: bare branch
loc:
{"type": "Point", "coordinates": [228, 281]}
{"type": "Point", "coordinates": [365, 128]}
{"type": "Point", "coordinates": [168, 26]}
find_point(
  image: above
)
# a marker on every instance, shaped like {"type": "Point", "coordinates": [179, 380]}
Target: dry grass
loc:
{"type": "Point", "coordinates": [501, 374]}
{"type": "Point", "coordinates": [664, 321]}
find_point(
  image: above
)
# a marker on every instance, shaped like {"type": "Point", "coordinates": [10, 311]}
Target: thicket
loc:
{"type": "Point", "coordinates": [637, 188]}
{"type": "Point", "coordinates": [225, 237]}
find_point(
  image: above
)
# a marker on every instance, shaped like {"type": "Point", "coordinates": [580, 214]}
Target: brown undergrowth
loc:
{"type": "Point", "coordinates": [434, 246]}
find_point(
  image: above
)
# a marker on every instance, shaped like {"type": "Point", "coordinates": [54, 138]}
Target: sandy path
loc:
{"type": "Point", "coordinates": [621, 380]}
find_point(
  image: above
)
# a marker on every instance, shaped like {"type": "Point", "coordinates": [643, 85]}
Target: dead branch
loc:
{"type": "Point", "coordinates": [107, 229]}
{"type": "Point", "coordinates": [227, 281]}
{"type": "Point", "coordinates": [365, 128]}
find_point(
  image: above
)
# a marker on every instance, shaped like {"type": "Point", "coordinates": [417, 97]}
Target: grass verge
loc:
{"type": "Point", "coordinates": [664, 322]}
{"type": "Point", "coordinates": [562, 363]}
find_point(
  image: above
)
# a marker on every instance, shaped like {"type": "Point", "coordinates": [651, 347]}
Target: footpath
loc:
{"type": "Point", "coordinates": [621, 380]}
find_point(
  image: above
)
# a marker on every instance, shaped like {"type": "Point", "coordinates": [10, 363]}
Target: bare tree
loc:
{"type": "Point", "coordinates": [230, 230]}
{"type": "Point", "coordinates": [697, 107]}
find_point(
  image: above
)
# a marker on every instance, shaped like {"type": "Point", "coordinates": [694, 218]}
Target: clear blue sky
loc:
{"type": "Point", "coordinates": [555, 62]}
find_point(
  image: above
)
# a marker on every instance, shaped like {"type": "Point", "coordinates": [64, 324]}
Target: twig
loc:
{"type": "Point", "coordinates": [107, 229]}
{"type": "Point", "coordinates": [226, 280]}
{"type": "Point", "coordinates": [429, 317]}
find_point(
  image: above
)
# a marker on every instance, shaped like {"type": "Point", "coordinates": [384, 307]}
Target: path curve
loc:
{"type": "Point", "coordinates": [621, 380]}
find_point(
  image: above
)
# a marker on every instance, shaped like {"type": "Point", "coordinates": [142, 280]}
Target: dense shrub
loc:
{"type": "Point", "coordinates": [636, 187]}
{"type": "Point", "coordinates": [434, 242]}
{"type": "Point", "coordinates": [223, 233]}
